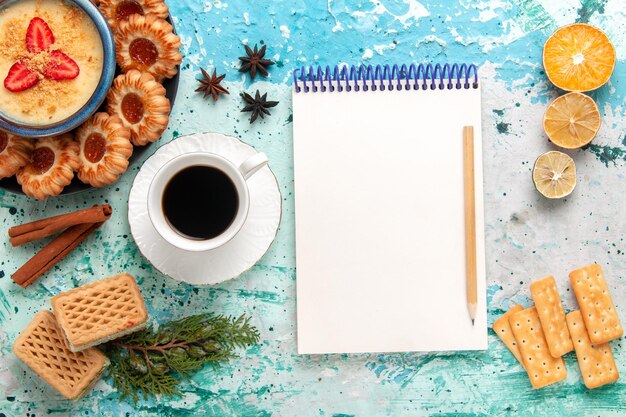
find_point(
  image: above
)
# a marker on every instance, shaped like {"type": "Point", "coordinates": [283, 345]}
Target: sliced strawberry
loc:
{"type": "Point", "coordinates": [39, 37]}
{"type": "Point", "coordinates": [61, 67]}
{"type": "Point", "coordinates": [20, 78]}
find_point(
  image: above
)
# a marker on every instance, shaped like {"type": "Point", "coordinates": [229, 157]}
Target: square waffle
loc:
{"type": "Point", "coordinates": [101, 311]}
{"type": "Point", "coordinates": [42, 347]}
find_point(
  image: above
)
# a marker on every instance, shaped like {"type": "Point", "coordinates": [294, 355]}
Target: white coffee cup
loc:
{"type": "Point", "coordinates": [238, 175]}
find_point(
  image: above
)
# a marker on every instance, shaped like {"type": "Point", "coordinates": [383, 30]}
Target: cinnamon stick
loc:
{"type": "Point", "coordinates": [47, 227]}
{"type": "Point", "coordinates": [53, 253]}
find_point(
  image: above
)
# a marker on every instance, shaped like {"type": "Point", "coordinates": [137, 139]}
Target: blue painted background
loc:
{"type": "Point", "coordinates": [527, 236]}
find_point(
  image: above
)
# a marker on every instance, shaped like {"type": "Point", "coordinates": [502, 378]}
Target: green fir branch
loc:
{"type": "Point", "coordinates": [152, 362]}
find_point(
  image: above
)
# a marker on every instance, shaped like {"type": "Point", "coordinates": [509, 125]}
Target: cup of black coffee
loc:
{"type": "Point", "coordinates": [200, 201]}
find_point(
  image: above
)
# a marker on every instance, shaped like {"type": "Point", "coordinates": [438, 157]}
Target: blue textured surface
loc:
{"type": "Point", "coordinates": [527, 237]}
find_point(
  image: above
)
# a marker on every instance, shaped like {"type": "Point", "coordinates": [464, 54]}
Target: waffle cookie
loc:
{"type": "Point", "coordinates": [101, 311]}
{"type": "Point", "coordinates": [42, 347]}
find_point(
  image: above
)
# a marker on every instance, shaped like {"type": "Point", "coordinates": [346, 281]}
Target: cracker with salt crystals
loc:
{"type": "Point", "coordinates": [552, 316]}
{"type": "Point", "coordinates": [542, 368]}
{"type": "Point", "coordinates": [502, 328]}
{"type": "Point", "coordinates": [596, 304]}
{"type": "Point", "coordinates": [596, 362]}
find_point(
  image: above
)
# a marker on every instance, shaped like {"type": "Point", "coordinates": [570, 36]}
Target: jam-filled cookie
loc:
{"type": "Point", "coordinates": [116, 11]}
{"type": "Point", "coordinates": [104, 149]}
{"type": "Point", "coordinates": [140, 102]}
{"type": "Point", "coordinates": [147, 43]}
{"type": "Point", "coordinates": [51, 167]}
{"type": "Point", "coordinates": [14, 153]}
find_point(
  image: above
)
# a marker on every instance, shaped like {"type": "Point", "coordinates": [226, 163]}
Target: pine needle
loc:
{"type": "Point", "coordinates": [152, 362]}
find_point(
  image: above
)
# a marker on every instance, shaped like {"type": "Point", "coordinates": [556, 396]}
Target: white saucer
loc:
{"type": "Point", "coordinates": [234, 257]}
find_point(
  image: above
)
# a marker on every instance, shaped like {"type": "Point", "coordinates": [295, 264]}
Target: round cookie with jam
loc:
{"type": "Point", "coordinates": [104, 149]}
{"type": "Point", "coordinates": [116, 11]}
{"type": "Point", "coordinates": [148, 44]}
{"type": "Point", "coordinates": [14, 153]}
{"type": "Point", "coordinates": [51, 167]}
{"type": "Point", "coordinates": [140, 102]}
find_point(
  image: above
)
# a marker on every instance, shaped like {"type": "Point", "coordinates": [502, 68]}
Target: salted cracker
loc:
{"type": "Point", "coordinates": [596, 362]}
{"type": "Point", "coordinates": [596, 304]}
{"type": "Point", "coordinates": [552, 316]}
{"type": "Point", "coordinates": [502, 328]}
{"type": "Point", "coordinates": [542, 368]}
{"type": "Point", "coordinates": [100, 311]}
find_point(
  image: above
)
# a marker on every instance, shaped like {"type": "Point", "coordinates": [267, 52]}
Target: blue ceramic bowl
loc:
{"type": "Point", "coordinates": [106, 78]}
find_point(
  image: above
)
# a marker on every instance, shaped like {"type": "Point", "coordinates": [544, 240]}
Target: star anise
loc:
{"type": "Point", "coordinates": [254, 61]}
{"type": "Point", "coordinates": [210, 85]}
{"type": "Point", "coordinates": [258, 105]}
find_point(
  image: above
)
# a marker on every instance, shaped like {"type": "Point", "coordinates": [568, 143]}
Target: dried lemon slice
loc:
{"type": "Point", "coordinates": [578, 57]}
{"type": "Point", "coordinates": [572, 120]}
{"type": "Point", "coordinates": [554, 174]}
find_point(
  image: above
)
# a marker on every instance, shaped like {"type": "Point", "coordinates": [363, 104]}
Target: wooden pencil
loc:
{"type": "Point", "coordinates": [470, 220]}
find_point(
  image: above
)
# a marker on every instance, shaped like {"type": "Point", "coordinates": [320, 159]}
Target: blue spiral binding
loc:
{"type": "Point", "coordinates": [385, 77]}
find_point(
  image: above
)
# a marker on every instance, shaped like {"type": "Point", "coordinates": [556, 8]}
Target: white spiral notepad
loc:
{"type": "Point", "coordinates": [380, 244]}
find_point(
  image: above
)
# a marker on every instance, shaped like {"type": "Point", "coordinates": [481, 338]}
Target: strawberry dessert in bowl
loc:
{"type": "Point", "coordinates": [57, 62]}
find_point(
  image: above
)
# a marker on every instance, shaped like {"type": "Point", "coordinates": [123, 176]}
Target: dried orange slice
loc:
{"type": "Point", "coordinates": [554, 174]}
{"type": "Point", "coordinates": [572, 120]}
{"type": "Point", "coordinates": [578, 57]}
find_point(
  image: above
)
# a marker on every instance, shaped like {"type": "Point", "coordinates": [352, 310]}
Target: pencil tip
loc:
{"type": "Point", "coordinates": [472, 322]}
